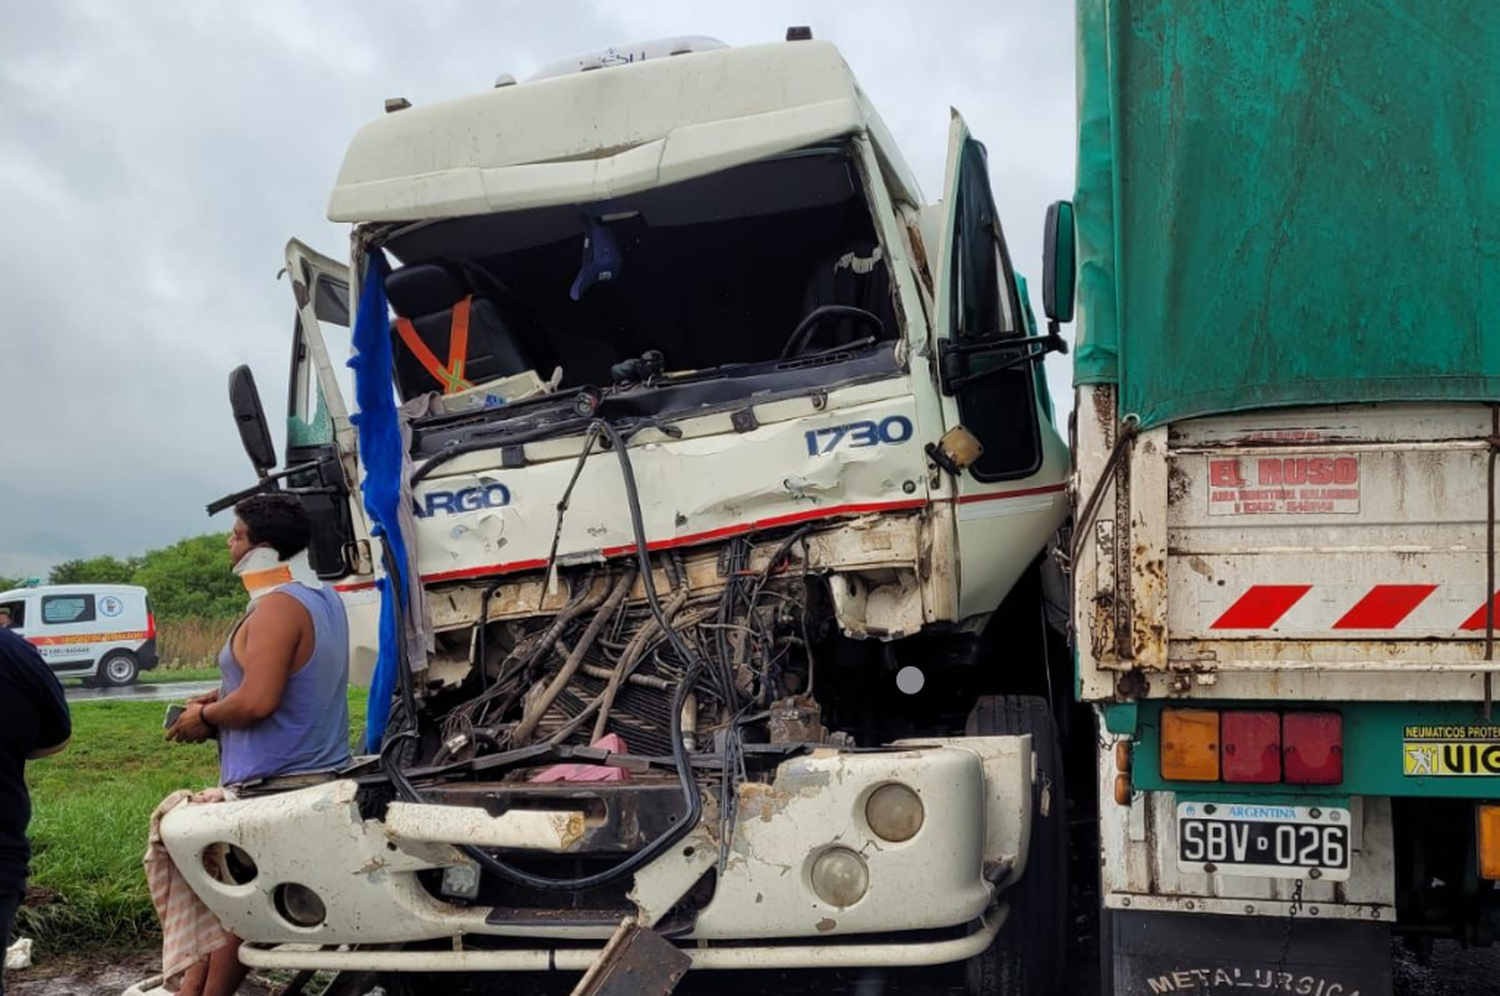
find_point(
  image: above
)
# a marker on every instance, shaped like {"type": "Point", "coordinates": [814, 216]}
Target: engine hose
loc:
{"type": "Point", "coordinates": [589, 600]}
{"type": "Point", "coordinates": [610, 606]}
{"type": "Point", "coordinates": [628, 662]}
{"type": "Point", "coordinates": [634, 652]}
{"type": "Point", "coordinates": [643, 680]}
{"type": "Point", "coordinates": [1129, 427]}
{"type": "Point", "coordinates": [691, 793]}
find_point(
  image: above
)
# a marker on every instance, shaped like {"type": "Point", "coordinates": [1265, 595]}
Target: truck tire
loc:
{"type": "Point", "coordinates": [1029, 956]}
{"type": "Point", "coordinates": [118, 669]}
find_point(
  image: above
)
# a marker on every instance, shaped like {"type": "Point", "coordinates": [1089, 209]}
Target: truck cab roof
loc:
{"type": "Point", "coordinates": [651, 121]}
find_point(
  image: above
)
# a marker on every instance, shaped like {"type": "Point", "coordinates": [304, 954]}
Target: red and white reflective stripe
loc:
{"type": "Point", "coordinates": [1261, 606]}
{"type": "Point", "coordinates": [1382, 607]}
{"type": "Point", "coordinates": [1476, 621]}
{"type": "Point", "coordinates": [1385, 606]}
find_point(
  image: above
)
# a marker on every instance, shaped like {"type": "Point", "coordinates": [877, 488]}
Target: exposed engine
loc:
{"type": "Point", "coordinates": [604, 665]}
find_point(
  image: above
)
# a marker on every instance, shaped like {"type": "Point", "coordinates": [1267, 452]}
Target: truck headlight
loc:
{"type": "Point", "coordinates": [894, 813]}
{"type": "Point", "coordinates": [840, 877]}
{"type": "Point", "coordinates": [299, 905]}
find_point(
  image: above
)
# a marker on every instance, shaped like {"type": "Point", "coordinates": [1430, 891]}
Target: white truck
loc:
{"type": "Point", "coordinates": [705, 479]}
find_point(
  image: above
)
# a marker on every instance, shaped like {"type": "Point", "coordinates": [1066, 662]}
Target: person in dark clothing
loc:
{"type": "Point", "coordinates": [34, 722]}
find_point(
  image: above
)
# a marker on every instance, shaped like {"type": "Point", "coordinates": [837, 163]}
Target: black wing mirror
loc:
{"type": "Point", "coordinates": [250, 419]}
{"type": "Point", "coordinates": [1059, 263]}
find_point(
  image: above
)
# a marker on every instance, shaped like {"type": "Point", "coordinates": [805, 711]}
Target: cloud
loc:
{"type": "Point", "coordinates": [158, 156]}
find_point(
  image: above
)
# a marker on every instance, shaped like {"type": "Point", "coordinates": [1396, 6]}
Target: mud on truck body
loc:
{"type": "Point", "coordinates": [1284, 553]}
{"type": "Point", "coordinates": [709, 428]}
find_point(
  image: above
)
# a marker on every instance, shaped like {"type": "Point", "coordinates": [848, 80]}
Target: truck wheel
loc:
{"type": "Point", "coordinates": [1029, 956]}
{"type": "Point", "coordinates": [118, 668]}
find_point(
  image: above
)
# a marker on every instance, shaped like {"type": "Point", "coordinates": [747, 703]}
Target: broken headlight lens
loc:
{"type": "Point", "coordinates": [299, 905]}
{"type": "Point", "coordinates": [840, 877]}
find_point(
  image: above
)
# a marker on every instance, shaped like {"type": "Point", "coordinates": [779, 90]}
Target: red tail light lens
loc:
{"type": "Point", "coordinates": [150, 625]}
{"type": "Point", "coordinates": [1313, 747]}
{"type": "Point", "coordinates": [1252, 747]}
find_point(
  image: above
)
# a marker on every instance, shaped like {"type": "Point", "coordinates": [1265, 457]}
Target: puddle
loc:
{"type": "Point", "coordinates": [174, 692]}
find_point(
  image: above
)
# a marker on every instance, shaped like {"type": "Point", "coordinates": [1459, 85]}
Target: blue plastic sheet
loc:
{"type": "Point", "coordinates": [381, 452]}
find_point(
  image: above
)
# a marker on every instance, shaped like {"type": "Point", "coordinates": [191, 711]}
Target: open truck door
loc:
{"type": "Point", "coordinates": [1008, 462]}
{"type": "Point", "coordinates": [321, 466]}
{"type": "Point", "coordinates": [320, 441]}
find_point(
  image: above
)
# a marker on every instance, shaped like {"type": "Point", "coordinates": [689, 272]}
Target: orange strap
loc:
{"type": "Point", "coordinates": [451, 376]}
{"type": "Point", "coordinates": [269, 578]}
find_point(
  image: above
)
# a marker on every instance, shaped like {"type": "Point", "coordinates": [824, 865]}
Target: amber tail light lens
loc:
{"type": "Point", "coordinates": [1190, 745]}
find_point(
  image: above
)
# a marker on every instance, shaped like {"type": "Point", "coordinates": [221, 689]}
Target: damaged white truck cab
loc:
{"type": "Point", "coordinates": [731, 472]}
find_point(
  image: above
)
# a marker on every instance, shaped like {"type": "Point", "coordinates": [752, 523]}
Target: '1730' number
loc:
{"type": "Point", "coordinates": [895, 429]}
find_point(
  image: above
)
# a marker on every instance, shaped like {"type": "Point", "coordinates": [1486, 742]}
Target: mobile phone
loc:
{"type": "Point", "coordinates": [174, 712]}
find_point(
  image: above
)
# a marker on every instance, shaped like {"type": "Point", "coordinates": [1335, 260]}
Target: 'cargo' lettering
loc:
{"type": "Point", "coordinates": [495, 495]}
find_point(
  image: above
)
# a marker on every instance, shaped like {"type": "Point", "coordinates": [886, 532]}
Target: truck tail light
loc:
{"type": "Point", "coordinates": [1190, 745]}
{"type": "Point", "coordinates": [1313, 748]}
{"type": "Point", "coordinates": [1489, 840]}
{"type": "Point", "coordinates": [150, 625]}
{"type": "Point", "coordinates": [1252, 747]}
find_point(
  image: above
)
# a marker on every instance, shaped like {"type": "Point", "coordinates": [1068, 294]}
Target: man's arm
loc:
{"type": "Point", "coordinates": [49, 751]}
{"type": "Point", "coordinates": [272, 635]}
{"type": "Point", "coordinates": [54, 723]}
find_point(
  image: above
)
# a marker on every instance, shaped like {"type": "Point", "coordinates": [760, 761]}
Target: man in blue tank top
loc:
{"type": "Point", "coordinates": [282, 706]}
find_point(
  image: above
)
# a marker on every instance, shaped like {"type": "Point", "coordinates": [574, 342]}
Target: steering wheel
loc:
{"type": "Point", "coordinates": [805, 329]}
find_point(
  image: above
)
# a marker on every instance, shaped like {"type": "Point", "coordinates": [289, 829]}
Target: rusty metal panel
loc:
{"type": "Point", "coordinates": [1349, 538]}
{"type": "Point", "coordinates": [1101, 589]}
{"type": "Point", "coordinates": [1277, 554]}
{"type": "Point", "coordinates": [1148, 550]}
{"type": "Point", "coordinates": [637, 961]}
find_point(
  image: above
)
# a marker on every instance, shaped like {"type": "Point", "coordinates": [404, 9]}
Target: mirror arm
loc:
{"type": "Point", "coordinates": [992, 345]}
{"type": "Point", "coordinates": [1049, 343]}
{"type": "Point", "coordinates": [265, 484]}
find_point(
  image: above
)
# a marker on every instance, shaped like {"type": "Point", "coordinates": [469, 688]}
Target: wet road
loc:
{"type": "Point", "coordinates": [173, 692]}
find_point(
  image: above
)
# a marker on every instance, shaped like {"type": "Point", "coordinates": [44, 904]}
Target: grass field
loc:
{"type": "Point", "coordinates": [90, 808]}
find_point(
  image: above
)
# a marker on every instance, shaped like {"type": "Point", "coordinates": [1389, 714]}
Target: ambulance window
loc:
{"type": "Point", "coordinates": [17, 612]}
{"type": "Point", "coordinates": [58, 609]}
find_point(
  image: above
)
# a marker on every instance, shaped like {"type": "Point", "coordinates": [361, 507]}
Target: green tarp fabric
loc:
{"type": "Point", "coordinates": [1288, 202]}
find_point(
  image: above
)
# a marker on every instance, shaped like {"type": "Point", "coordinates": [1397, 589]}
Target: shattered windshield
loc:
{"type": "Point", "coordinates": [695, 276]}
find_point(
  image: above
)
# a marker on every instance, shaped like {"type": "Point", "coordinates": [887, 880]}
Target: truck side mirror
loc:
{"type": "Point", "coordinates": [1059, 263]}
{"type": "Point", "coordinates": [250, 419]}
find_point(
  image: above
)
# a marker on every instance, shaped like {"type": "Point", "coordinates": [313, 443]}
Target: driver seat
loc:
{"type": "Point", "coordinates": [856, 277]}
{"type": "Point", "coordinates": [446, 338]}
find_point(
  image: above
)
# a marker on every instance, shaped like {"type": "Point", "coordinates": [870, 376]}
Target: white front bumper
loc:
{"type": "Point", "coordinates": [975, 793]}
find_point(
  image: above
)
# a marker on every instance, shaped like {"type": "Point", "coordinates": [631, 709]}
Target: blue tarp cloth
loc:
{"type": "Point", "coordinates": [382, 454]}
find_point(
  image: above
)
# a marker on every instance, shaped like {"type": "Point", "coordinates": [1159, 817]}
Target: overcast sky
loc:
{"type": "Point", "coordinates": [156, 157]}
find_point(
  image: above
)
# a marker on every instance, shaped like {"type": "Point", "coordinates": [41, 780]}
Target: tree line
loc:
{"type": "Point", "coordinates": [190, 579]}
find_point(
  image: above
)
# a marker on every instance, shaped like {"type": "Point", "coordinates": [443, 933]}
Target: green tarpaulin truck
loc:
{"type": "Point", "coordinates": [1287, 419]}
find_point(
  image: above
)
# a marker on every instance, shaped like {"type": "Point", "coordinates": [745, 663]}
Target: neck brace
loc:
{"type": "Point", "coordinates": [262, 571]}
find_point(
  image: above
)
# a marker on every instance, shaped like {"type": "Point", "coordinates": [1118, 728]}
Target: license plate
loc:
{"type": "Point", "coordinates": [1252, 839]}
